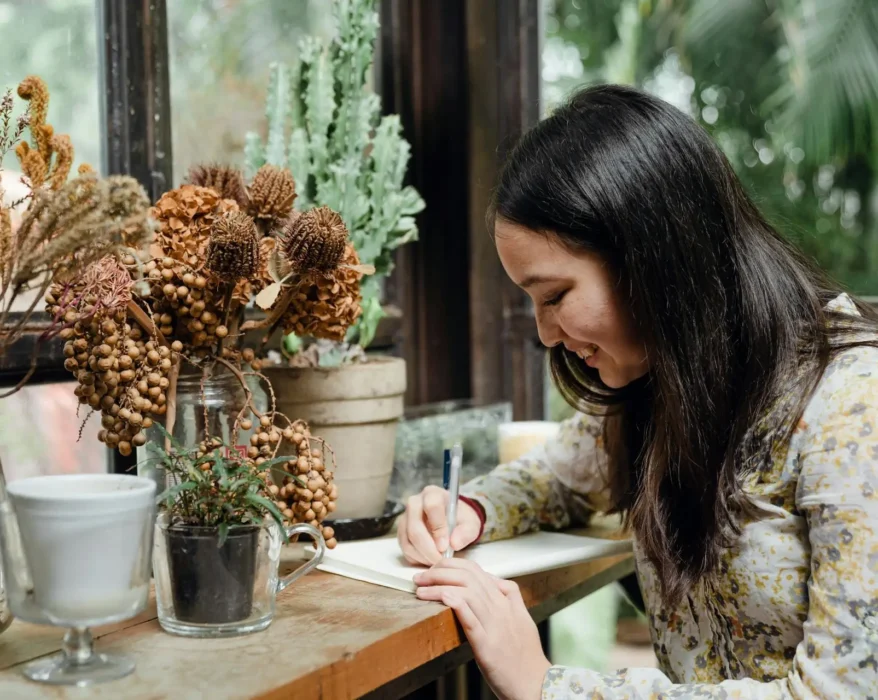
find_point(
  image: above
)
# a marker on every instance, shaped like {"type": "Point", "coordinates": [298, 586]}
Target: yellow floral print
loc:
{"type": "Point", "coordinates": [793, 611]}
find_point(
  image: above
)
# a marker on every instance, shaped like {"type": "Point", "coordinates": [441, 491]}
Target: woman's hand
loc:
{"type": "Point", "coordinates": [503, 636]}
{"type": "Point", "coordinates": [423, 528]}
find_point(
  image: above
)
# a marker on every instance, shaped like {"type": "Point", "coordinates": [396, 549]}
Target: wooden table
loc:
{"type": "Point", "coordinates": [333, 639]}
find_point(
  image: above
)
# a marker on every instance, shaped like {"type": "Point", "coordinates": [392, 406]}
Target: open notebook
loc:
{"type": "Point", "coordinates": [380, 561]}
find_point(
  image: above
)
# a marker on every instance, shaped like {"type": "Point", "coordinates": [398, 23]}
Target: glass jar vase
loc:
{"type": "Point", "coordinates": [208, 402]}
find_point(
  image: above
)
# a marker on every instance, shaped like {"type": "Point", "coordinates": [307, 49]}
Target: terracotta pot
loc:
{"type": "Point", "coordinates": [355, 408]}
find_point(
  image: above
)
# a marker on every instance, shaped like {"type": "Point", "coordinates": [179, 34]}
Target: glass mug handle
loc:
{"type": "Point", "coordinates": [314, 534]}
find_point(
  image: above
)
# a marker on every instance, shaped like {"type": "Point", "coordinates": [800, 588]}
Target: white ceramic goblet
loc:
{"type": "Point", "coordinates": [76, 551]}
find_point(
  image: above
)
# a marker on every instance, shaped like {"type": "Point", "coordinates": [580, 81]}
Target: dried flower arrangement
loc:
{"type": "Point", "coordinates": [67, 226]}
{"type": "Point", "coordinates": [133, 316]}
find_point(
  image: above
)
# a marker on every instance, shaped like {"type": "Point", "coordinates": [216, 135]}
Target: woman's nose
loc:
{"type": "Point", "coordinates": [549, 331]}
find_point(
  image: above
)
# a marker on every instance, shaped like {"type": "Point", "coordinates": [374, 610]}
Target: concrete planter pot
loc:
{"type": "Point", "coordinates": [355, 408]}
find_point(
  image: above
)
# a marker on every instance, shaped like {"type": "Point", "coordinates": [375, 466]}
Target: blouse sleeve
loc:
{"type": "Point", "coordinates": [556, 485]}
{"type": "Point", "coordinates": [837, 494]}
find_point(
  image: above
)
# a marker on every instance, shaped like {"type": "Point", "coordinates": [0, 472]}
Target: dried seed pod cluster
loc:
{"type": "Point", "coordinates": [119, 370]}
{"type": "Point", "coordinates": [307, 493]}
{"type": "Point", "coordinates": [184, 306]}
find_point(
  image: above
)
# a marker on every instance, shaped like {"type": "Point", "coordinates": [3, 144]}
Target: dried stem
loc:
{"type": "Point", "coordinates": [171, 401]}
{"type": "Point", "coordinates": [146, 323]}
{"type": "Point", "coordinates": [227, 312]}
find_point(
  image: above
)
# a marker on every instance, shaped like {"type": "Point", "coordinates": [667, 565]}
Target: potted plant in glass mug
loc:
{"type": "Point", "coordinates": [325, 125]}
{"type": "Point", "coordinates": [218, 541]}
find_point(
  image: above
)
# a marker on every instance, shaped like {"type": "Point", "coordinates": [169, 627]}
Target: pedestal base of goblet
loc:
{"type": "Point", "coordinates": [78, 664]}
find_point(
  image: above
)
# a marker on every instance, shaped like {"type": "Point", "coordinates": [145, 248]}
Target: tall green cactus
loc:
{"type": "Point", "coordinates": [325, 125]}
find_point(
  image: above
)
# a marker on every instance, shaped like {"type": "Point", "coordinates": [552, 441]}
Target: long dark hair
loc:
{"type": "Point", "coordinates": [732, 315]}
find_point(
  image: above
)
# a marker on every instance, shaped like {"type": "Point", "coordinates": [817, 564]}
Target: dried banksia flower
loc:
{"type": "Point", "coordinates": [271, 195]}
{"type": "Point", "coordinates": [233, 250]}
{"type": "Point", "coordinates": [226, 181]}
{"type": "Point", "coordinates": [314, 240]}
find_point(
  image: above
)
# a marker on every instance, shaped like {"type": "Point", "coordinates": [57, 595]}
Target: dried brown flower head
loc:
{"type": "Point", "coordinates": [109, 283]}
{"type": "Point", "coordinates": [271, 194]}
{"type": "Point", "coordinates": [185, 217]}
{"type": "Point", "coordinates": [314, 240]}
{"type": "Point", "coordinates": [329, 303]}
{"type": "Point", "coordinates": [226, 181]}
{"type": "Point", "coordinates": [233, 251]}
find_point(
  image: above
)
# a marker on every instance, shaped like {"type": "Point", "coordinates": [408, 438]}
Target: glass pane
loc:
{"type": "Point", "coordinates": [41, 433]}
{"type": "Point", "coordinates": [221, 51]}
{"type": "Point", "coordinates": [56, 40]}
{"type": "Point", "coordinates": [796, 122]}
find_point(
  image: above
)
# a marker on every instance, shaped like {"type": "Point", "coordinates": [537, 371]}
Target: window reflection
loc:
{"type": "Point", "coordinates": [40, 433]}
{"type": "Point", "coordinates": [220, 53]}
{"type": "Point", "coordinates": [57, 40]}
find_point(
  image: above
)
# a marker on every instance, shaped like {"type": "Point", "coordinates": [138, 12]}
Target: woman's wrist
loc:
{"type": "Point", "coordinates": [480, 511]}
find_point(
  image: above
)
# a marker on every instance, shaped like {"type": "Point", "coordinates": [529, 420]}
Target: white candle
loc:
{"type": "Point", "coordinates": [517, 439]}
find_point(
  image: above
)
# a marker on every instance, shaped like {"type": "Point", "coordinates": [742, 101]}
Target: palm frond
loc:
{"type": "Point", "coordinates": [831, 98]}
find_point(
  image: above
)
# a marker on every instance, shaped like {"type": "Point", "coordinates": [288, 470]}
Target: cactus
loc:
{"type": "Point", "coordinates": [326, 127]}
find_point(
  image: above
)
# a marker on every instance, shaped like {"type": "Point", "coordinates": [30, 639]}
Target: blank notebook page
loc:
{"type": "Point", "coordinates": [380, 561]}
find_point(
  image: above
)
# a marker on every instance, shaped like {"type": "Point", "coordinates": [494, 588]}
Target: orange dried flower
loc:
{"type": "Point", "coordinates": [328, 303]}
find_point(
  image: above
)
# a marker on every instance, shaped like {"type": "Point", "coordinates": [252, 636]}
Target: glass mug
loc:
{"type": "Point", "coordinates": [76, 554]}
{"type": "Point", "coordinates": [203, 589]}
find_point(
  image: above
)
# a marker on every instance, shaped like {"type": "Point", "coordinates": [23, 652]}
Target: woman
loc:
{"type": "Point", "coordinates": [729, 408]}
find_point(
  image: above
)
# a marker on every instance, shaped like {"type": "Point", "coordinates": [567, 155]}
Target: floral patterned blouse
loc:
{"type": "Point", "coordinates": [794, 610]}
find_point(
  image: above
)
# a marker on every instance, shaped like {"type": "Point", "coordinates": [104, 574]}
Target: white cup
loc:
{"type": "Point", "coordinates": [87, 540]}
{"type": "Point", "coordinates": [516, 439]}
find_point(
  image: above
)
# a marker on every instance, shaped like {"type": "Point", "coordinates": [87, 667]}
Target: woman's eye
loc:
{"type": "Point", "coordinates": [555, 300]}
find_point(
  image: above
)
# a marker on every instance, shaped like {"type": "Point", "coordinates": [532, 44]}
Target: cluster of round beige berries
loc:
{"type": "Point", "coordinates": [307, 493]}
{"type": "Point", "coordinates": [184, 307]}
{"type": "Point", "coordinates": [119, 370]}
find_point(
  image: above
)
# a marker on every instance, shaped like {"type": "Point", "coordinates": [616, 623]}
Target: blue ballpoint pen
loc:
{"type": "Point", "coordinates": [453, 494]}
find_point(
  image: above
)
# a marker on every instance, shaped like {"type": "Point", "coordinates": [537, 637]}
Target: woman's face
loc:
{"type": "Point", "coordinates": [576, 300]}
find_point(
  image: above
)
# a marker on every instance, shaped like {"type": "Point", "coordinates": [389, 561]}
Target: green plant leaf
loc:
{"type": "Point", "coordinates": [175, 444]}
{"type": "Point", "coordinates": [170, 493]}
{"type": "Point", "coordinates": [267, 505]}
{"type": "Point", "coordinates": [223, 534]}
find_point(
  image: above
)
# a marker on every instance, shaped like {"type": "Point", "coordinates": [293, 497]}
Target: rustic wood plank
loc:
{"type": "Point", "coordinates": [333, 639]}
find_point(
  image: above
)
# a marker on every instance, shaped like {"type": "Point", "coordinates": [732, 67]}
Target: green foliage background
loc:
{"type": "Point", "coordinates": [788, 88]}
